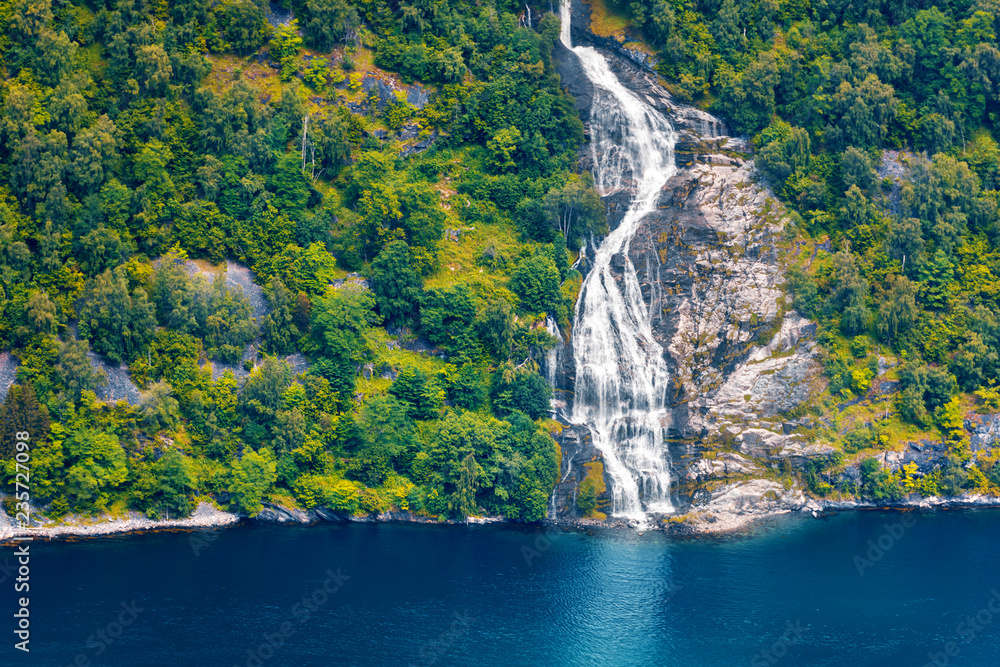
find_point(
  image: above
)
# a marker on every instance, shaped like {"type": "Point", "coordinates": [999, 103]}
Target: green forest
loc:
{"type": "Point", "coordinates": [138, 139]}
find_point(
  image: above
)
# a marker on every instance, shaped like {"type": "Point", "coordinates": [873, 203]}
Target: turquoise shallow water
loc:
{"type": "Point", "coordinates": [388, 594]}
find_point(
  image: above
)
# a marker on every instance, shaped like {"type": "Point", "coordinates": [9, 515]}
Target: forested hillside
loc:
{"type": "Point", "coordinates": [875, 123]}
{"type": "Point", "coordinates": [144, 141]}
{"type": "Point", "coordinates": [145, 145]}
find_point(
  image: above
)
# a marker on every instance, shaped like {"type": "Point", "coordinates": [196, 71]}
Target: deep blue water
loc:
{"type": "Point", "coordinates": [445, 595]}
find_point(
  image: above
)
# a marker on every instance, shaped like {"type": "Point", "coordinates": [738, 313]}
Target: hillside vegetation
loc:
{"type": "Point", "coordinates": [141, 138]}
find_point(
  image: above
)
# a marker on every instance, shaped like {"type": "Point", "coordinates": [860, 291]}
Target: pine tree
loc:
{"type": "Point", "coordinates": [22, 413]}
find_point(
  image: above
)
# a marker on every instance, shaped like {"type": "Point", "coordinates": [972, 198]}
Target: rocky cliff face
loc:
{"type": "Point", "coordinates": [743, 364]}
{"type": "Point", "coordinates": [709, 261]}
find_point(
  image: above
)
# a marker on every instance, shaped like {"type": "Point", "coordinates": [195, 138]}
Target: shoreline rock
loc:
{"type": "Point", "coordinates": [204, 516]}
{"type": "Point", "coordinates": [735, 510]}
{"type": "Point", "coordinates": [709, 521]}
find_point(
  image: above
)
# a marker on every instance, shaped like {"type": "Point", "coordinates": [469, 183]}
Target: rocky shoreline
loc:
{"type": "Point", "coordinates": [204, 516]}
{"type": "Point", "coordinates": [715, 519]}
{"type": "Point", "coordinates": [720, 518]}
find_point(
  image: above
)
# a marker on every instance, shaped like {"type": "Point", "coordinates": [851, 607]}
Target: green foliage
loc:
{"type": "Point", "coordinates": [318, 74]}
{"type": "Point", "coordinates": [95, 464]}
{"type": "Point", "coordinates": [262, 392]}
{"type": "Point", "coordinates": [850, 294]}
{"type": "Point", "coordinates": [586, 498]}
{"type": "Point", "coordinates": [504, 467]}
{"type": "Point", "coordinates": [73, 371]}
{"type": "Point", "coordinates": [160, 409]}
{"type": "Point", "coordinates": [804, 291]}
{"type": "Point", "coordinates": [279, 329]}
{"type": "Point", "coordinates": [447, 315]}
{"type": "Point", "coordinates": [389, 441]}
{"type": "Point", "coordinates": [877, 483]}
{"type": "Point", "coordinates": [784, 150]}
{"type": "Point", "coordinates": [251, 477]}
{"type": "Point", "coordinates": [176, 481]}
{"type": "Point", "coordinates": [923, 389]}
{"type": "Point", "coordinates": [341, 333]}
{"type": "Point", "coordinates": [576, 210]}
{"type": "Point", "coordinates": [899, 311]}
{"type": "Point", "coordinates": [117, 323]}
{"type": "Point", "coordinates": [865, 438]}
{"type": "Point", "coordinates": [331, 22]}
{"type": "Point", "coordinates": [124, 159]}
{"type": "Point", "coordinates": [536, 282]}
{"type": "Point", "coordinates": [421, 395]}
{"type": "Point", "coordinates": [21, 413]}
{"type": "Point", "coordinates": [518, 389]}
{"type": "Point", "coordinates": [243, 25]}
{"type": "Point", "coordinates": [395, 283]}
{"type": "Point", "coordinates": [953, 477]}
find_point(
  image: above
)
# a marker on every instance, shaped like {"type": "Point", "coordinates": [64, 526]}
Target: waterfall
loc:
{"type": "Point", "coordinates": [552, 357]}
{"type": "Point", "coordinates": [621, 378]}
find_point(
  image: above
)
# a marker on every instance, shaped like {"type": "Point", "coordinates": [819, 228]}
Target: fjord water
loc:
{"type": "Point", "coordinates": [507, 597]}
{"type": "Point", "coordinates": [621, 379]}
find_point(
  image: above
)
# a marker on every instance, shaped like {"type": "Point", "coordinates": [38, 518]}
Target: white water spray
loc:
{"type": "Point", "coordinates": [621, 378]}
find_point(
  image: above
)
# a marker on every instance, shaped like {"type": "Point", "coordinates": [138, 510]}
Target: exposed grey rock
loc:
{"type": "Point", "coordinates": [417, 95]}
{"type": "Point", "coordinates": [577, 449]}
{"type": "Point", "coordinates": [984, 429]}
{"type": "Point", "coordinates": [351, 279]}
{"type": "Point", "coordinates": [239, 279]}
{"type": "Point", "coordinates": [120, 386]}
{"type": "Point", "coordinates": [204, 516]}
{"type": "Point", "coordinates": [277, 514]}
{"type": "Point", "coordinates": [8, 373]}
{"type": "Point", "coordinates": [298, 362]}
{"type": "Point", "coordinates": [278, 16]}
{"type": "Point", "coordinates": [726, 464]}
{"type": "Point", "coordinates": [419, 147]}
{"type": "Point", "coordinates": [755, 496]}
{"type": "Point", "coordinates": [383, 90]}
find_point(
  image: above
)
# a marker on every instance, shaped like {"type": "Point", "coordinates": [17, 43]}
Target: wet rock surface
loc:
{"type": "Point", "coordinates": [8, 372]}
{"type": "Point", "coordinates": [709, 263]}
{"type": "Point", "coordinates": [577, 449]}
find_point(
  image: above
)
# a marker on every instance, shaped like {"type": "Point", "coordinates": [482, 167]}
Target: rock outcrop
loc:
{"type": "Point", "coordinates": [709, 262]}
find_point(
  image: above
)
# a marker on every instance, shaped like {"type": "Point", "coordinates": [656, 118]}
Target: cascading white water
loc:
{"type": "Point", "coordinates": [621, 378]}
{"type": "Point", "coordinates": [552, 358]}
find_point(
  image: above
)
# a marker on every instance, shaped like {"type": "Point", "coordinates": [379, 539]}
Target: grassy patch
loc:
{"type": "Point", "coordinates": [605, 21]}
{"type": "Point", "coordinates": [595, 479]}
{"type": "Point", "coordinates": [284, 499]}
{"type": "Point", "coordinates": [551, 426]}
{"type": "Point", "coordinates": [396, 358]}
{"type": "Point", "coordinates": [641, 47]}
